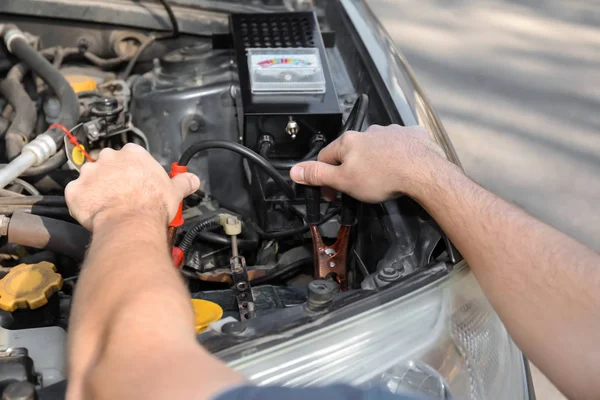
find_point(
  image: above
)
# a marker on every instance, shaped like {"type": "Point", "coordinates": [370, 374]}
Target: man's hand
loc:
{"type": "Point", "coordinates": [126, 182]}
{"type": "Point", "coordinates": [375, 165]}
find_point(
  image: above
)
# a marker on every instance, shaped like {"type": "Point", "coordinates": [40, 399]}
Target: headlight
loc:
{"type": "Point", "coordinates": [443, 340]}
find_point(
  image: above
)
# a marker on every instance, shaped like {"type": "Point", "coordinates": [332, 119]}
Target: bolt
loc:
{"type": "Point", "coordinates": [241, 286]}
{"type": "Point", "coordinates": [83, 44]}
{"type": "Point", "coordinates": [194, 126]}
{"type": "Point", "coordinates": [388, 271]}
{"type": "Point", "coordinates": [331, 264]}
{"type": "Point", "coordinates": [320, 294]}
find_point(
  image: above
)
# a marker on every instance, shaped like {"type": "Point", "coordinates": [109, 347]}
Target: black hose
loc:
{"type": "Point", "coordinates": [245, 152]}
{"type": "Point", "coordinates": [69, 105]}
{"type": "Point", "coordinates": [215, 238]}
{"type": "Point", "coordinates": [51, 201]}
{"type": "Point", "coordinates": [50, 234]}
{"type": "Point", "coordinates": [61, 213]}
{"type": "Point", "coordinates": [21, 130]}
{"type": "Point", "coordinates": [190, 235]}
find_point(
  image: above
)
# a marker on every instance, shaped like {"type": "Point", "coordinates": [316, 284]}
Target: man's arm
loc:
{"type": "Point", "coordinates": [132, 327]}
{"type": "Point", "coordinates": [544, 285]}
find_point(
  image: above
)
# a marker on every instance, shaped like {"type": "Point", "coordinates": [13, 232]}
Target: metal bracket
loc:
{"type": "Point", "coordinates": [241, 287]}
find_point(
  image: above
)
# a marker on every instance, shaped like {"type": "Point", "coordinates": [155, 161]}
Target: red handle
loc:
{"type": "Point", "coordinates": [177, 169]}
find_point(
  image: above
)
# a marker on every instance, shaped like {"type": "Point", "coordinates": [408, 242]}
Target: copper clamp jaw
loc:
{"type": "Point", "coordinates": [330, 261]}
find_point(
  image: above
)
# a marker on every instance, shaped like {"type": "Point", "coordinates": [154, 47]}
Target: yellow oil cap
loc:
{"type": "Point", "coordinates": [29, 286]}
{"type": "Point", "coordinates": [206, 313]}
{"type": "Point", "coordinates": [81, 83]}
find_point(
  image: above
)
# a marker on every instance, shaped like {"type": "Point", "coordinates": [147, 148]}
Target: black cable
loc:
{"type": "Point", "coordinates": [357, 115]}
{"type": "Point", "coordinates": [243, 151]}
{"type": "Point", "coordinates": [312, 153]}
{"type": "Point", "coordinates": [174, 23]}
{"type": "Point", "coordinates": [292, 232]}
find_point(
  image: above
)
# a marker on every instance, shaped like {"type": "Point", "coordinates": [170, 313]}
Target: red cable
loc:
{"type": "Point", "coordinates": [72, 139]}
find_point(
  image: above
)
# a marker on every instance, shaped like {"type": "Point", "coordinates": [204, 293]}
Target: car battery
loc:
{"type": "Point", "coordinates": [286, 88]}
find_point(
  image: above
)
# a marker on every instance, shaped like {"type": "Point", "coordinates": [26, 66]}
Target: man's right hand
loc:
{"type": "Point", "coordinates": [375, 165]}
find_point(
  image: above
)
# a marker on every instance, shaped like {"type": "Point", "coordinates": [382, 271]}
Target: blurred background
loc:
{"type": "Point", "coordinates": [517, 86]}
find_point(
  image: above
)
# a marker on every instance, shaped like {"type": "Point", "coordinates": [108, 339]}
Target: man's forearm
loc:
{"type": "Point", "coordinates": [140, 336]}
{"type": "Point", "coordinates": [544, 285]}
{"type": "Point", "coordinates": [126, 261]}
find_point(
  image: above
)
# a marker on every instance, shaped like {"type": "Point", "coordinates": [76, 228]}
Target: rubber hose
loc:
{"type": "Point", "coordinates": [215, 238]}
{"type": "Point", "coordinates": [51, 164]}
{"type": "Point", "coordinates": [61, 213]}
{"type": "Point", "coordinates": [50, 234]}
{"type": "Point", "coordinates": [52, 201]}
{"type": "Point", "coordinates": [245, 152]}
{"type": "Point", "coordinates": [21, 129]}
{"type": "Point", "coordinates": [249, 239]}
{"type": "Point", "coordinates": [69, 105]}
{"type": "Point", "coordinates": [190, 235]}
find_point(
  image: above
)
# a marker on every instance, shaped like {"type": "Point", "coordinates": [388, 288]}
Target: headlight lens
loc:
{"type": "Point", "coordinates": [443, 340]}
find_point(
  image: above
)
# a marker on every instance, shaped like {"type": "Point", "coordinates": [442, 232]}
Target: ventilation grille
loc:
{"type": "Point", "coordinates": [276, 30]}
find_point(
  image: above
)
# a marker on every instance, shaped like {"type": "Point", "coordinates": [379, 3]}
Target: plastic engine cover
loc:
{"type": "Point", "coordinates": [187, 98]}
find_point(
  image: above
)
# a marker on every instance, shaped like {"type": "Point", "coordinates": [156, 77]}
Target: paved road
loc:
{"type": "Point", "coordinates": [517, 84]}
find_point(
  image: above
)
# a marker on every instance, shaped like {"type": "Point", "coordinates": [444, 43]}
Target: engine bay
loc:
{"type": "Point", "coordinates": [238, 105]}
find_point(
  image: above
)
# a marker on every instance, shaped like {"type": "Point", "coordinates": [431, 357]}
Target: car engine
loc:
{"type": "Point", "coordinates": [237, 105]}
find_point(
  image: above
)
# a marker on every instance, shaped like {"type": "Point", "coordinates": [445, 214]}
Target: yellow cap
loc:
{"type": "Point", "coordinates": [29, 286]}
{"type": "Point", "coordinates": [81, 83]}
{"type": "Point", "coordinates": [206, 313]}
{"type": "Point", "coordinates": [77, 155]}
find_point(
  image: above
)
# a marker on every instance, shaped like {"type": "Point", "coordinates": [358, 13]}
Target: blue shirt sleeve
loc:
{"type": "Point", "coordinates": [336, 392]}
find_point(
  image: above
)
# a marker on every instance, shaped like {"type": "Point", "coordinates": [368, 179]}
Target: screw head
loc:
{"type": "Point", "coordinates": [331, 264]}
{"type": "Point", "coordinates": [233, 328]}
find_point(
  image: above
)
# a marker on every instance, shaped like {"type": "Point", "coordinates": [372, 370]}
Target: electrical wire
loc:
{"type": "Point", "coordinates": [244, 152]}
{"type": "Point", "coordinates": [152, 38]}
{"type": "Point", "coordinates": [174, 23]}
{"type": "Point", "coordinates": [357, 115]}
